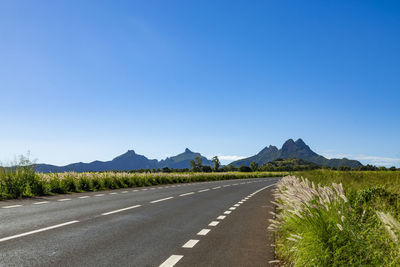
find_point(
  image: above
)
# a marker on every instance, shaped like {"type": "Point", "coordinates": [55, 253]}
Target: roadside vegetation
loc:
{"type": "Point", "coordinates": [338, 218]}
{"type": "Point", "coordinates": [22, 181]}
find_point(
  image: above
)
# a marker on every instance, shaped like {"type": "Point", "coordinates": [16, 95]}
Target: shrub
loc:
{"type": "Point", "coordinates": [85, 184]}
{"type": "Point", "coordinates": [244, 169]}
{"type": "Point", "coordinates": [320, 226]}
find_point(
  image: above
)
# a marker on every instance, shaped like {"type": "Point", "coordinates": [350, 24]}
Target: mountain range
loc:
{"type": "Point", "coordinates": [127, 161]}
{"type": "Point", "coordinates": [292, 149]}
{"type": "Point", "coordinates": [132, 161]}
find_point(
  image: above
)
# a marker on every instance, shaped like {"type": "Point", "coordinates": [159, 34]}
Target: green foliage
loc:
{"type": "Point", "coordinates": [244, 169]}
{"type": "Point", "coordinates": [363, 239]}
{"type": "Point", "coordinates": [24, 182]}
{"type": "Point", "coordinates": [254, 166]}
{"type": "Point", "coordinates": [216, 163]}
{"type": "Point", "coordinates": [291, 164]}
{"type": "Point", "coordinates": [197, 164]}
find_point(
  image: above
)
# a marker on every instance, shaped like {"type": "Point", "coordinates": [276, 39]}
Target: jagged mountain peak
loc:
{"type": "Point", "coordinates": [292, 149]}
{"type": "Point", "coordinates": [128, 154]}
{"type": "Point", "coordinates": [300, 142]}
{"type": "Point", "coordinates": [269, 148]}
{"type": "Point", "coordinates": [187, 150]}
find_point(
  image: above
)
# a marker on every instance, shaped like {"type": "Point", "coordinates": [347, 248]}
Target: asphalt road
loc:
{"type": "Point", "coordinates": [219, 223]}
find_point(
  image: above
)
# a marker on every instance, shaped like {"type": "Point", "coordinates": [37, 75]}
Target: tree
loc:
{"type": "Point", "coordinates": [197, 164]}
{"type": "Point", "coordinates": [206, 168]}
{"type": "Point", "coordinates": [231, 168]}
{"type": "Point", "coordinates": [199, 161]}
{"type": "Point", "coordinates": [254, 166]}
{"type": "Point", "coordinates": [216, 162]}
{"type": "Point", "coordinates": [193, 164]}
{"type": "Point", "coordinates": [244, 169]}
{"type": "Point", "coordinates": [166, 169]}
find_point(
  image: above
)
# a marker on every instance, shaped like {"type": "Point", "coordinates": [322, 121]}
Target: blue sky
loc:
{"type": "Point", "coordinates": [86, 80]}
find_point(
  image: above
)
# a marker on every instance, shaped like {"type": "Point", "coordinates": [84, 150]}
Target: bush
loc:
{"type": "Point", "coordinates": [321, 226]}
{"type": "Point", "coordinates": [245, 169]}
{"type": "Point", "coordinates": [85, 184]}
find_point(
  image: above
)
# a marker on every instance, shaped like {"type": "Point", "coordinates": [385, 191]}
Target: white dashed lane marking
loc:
{"type": "Point", "coordinates": [203, 232]}
{"type": "Point", "coordinates": [221, 217]}
{"type": "Point", "coordinates": [84, 197]}
{"type": "Point", "coordinates": [40, 203]}
{"type": "Point", "coordinates": [191, 243]}
{"type": "Point", "coordinates": [228, 212]}
{"type": "Point", "coordinates": [115, 211]}
{"type": "Point", "coordinates": [204, 190]}
{"type": "Point", "coordinates": [63, 199]}
{"type": "Point", "coordinates": [171, 261]}
{"type": "Point", "coordinates": [213, 223]}
{"type": "Point", "coordinates": [10, 207]}
{"type": "Point", "coordinates": [37, 231]}
{"type": "Point", "coordinates": [99, 195]}
{"type": "Point", "coordinates": [186, 194]}
{"type": "Point", "coordinates": [159, 200]}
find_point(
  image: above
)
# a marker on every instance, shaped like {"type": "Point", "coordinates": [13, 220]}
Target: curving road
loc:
{"type": "Point", "coordinates": [220, 223]}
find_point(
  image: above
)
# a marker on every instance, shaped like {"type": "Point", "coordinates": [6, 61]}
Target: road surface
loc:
{"type": "Point", "coordinates": [221, 223]}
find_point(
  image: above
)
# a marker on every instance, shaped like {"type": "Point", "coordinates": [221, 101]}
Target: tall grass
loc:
{"type": "Point", "coordinates": [24, 182]}
{"type": "Point", "coordinates": [337, 219]}
{"type": "Point", "coordinates": [355, 180]}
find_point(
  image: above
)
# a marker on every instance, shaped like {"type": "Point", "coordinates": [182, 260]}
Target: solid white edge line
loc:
{"type": "Point", "coordinates": [115, 211]}
{"type": "Point", "coordinates": [171, 261]}
{"type": "Point", "coordinates": [159, 200]}
{"type": "Point", "coordinates": [37, 231]}
{"type": "Point", "coordinates": [191, 243]}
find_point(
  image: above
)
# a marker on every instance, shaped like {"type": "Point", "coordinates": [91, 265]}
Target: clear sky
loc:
{"type": "Point", "coordinates": [86, 80]}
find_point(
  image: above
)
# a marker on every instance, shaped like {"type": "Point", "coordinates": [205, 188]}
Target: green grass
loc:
{"type": "Point", "coordinates": [355, 180]}
{"type": "Point", "coordinates": [24, 182]}
{"type": "Point", "coordinates": [317, 226]}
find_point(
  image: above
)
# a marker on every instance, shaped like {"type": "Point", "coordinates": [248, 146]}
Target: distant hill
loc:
{"type": "Point", "coordinates": [182, 160]}
{"type": "Point", "coordinates": [126, 162]}
{"type": "Point", "coordinates": [292, 149]}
